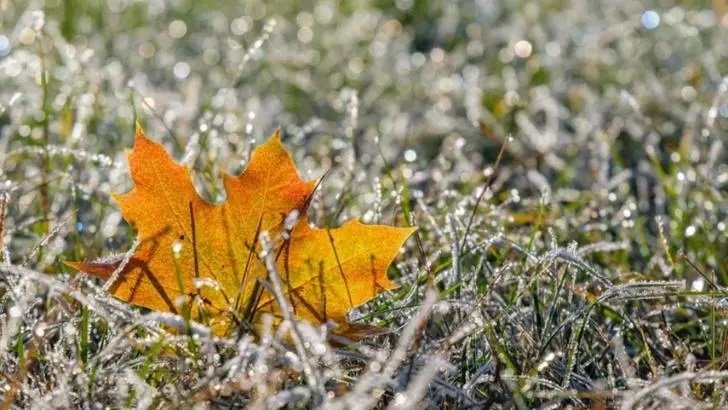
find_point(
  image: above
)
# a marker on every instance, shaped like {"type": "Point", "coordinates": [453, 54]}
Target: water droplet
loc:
{"type": "Point", "coordinates": [690, 231]}
{"type": "Point", "coordinates": [375, 366]}
{"type": "Point", "coordinates": [177, 248]}
{"type": "Point", "coordinates": [650, 19]}
{"type": "Point", "coordinates": [546, 361]}
{"type": "Point", "coordinates": [523, 49]}
{"type": "Point", "coordinates": [206, 282]}
{"type": "Point", "coordinates": [181, 70]}
{"type": "Point", "coordinates": [240, 25]}
{"type": "Point", "coordinates": [4, 46]}
{"type": "Point", "coordinates": [410, 155]}
{"type": "Point", "coordinates": [698, 285]}
{"type": "Point", "coordinates": [319, 349]}
{"type": "Point", "coordinates": [70, 330]}
{"type": "Point", "coordinates": [177, 29]}
{"type": "Point", "coordinates": [26, 36]}
{"type": "Point", "coordinates": [305, 35]}
{"type": "Point", "coordinates": [400, 400]}
{"type": "Point", "coordinates": [40, 329]}
{"type": "Point", "coordinates": [291, 220]}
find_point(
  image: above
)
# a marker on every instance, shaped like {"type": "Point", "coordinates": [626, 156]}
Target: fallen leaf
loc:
{"type": "Point", "coordinates": [206, 256]}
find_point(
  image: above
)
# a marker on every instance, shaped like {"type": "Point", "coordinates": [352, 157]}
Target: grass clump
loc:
{"type": "Point", "coordinates": [587, 269]}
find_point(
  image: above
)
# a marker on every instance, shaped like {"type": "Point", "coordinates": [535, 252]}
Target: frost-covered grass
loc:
{"type": "Point", "coordinates": [590, 268]}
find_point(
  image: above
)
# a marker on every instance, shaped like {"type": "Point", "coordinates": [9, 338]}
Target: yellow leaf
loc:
{"type": "Point", "coordinates": [206, 256]}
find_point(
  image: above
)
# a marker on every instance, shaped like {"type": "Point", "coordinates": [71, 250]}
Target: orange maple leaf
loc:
{"type": "Point", "coordinates": [205, 256]}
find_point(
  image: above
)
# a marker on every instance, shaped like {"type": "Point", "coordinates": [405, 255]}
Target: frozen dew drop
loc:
{"type": "Point", "coordinates": [442, 307]}
{"type": "Point", "coordinates": [690, 231]}
{"type": "Point", "coordinates": [400, 400]}
{"type": "Point", "coordinates": [650, 19]}
{"type": "Point", "coordinates": [305, 35]}
{"type": "Point", "coordinates": [545, 199]}
{"type": "Point", "coordinates": [40, 329]}
{"type": "Point", "coordinates": [691, 175]}
{"type": "Point", "coordinates": [418, 59]}
{"type": "Point", "coordinates": [375, 366]}
{"type": "Point", "coordinates": [176, 248]}
{"type": "Point", "coordinates": [292, 358]}
{"type": "Point", "coordinates": [523, 49]}
{"type": "Point", "coordinates": [181, 70]}
{"type": "Point", "coordinates": [24, 130]}
{"type": "Point", "coordinates": [69, 329]}
{"type": "Point", "coordinates": [688, 93]}
{"type": "Point", "coordinates": [291, 220]}
{"type": "Point", "coordinates": [206, 282]}
{"type": "Point", "coordinates": [368, 216]}
{"type": "Point", "coordinates": [38, 20]}
{"type": "Point", "coordinates": [546, 361]}
{"type": "Point", "coordinates": [240, 25]}
{"type": "Point", "coordinates": [410, 155]}
{"type": "Point", "coordinates": [4, 45]}
{"type": "Point", "coordinates": [515, 196]}
{"type": "Point", "coordinates": [177, 29]}
{"type": "Point", "coordinates": [319, 349]}
{"type": "Point", "coordinates": [180, 301]}
{"type": "Point", "coordinates": [150, 102]}
{"type": "Point", "coordinates": [15, 312]}
{"type": "Point", "coordinates": [698, 285]}
{"type": "Point", "coordinates": [26, 36]}
{"type": "Point", "coordinates": [270, 25]}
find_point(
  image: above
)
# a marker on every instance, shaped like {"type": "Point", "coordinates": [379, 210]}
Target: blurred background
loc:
{"type": "Point", "coordinates": [587, 91]}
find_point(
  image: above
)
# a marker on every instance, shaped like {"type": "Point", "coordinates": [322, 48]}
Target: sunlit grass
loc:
{"type": "Point", "coordinates": [588, 268]}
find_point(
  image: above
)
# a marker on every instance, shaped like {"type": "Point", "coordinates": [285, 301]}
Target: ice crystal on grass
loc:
{"type": "Point", "coordinates": [567, 275]}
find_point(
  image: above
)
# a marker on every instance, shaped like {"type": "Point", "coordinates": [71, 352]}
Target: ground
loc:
{"type": "Point", "coordinates": [584, 266]}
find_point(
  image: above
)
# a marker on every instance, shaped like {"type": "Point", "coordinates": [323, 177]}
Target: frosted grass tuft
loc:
{"type": "Point", "coordinates": [574, 283]}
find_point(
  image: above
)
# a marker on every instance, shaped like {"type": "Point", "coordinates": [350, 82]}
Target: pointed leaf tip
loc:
{"type": "Point", "coordinates": [276, 134]}
{"type": "Point", "coordinates": [139, 136]}
{"type": "Point", "coordinates": [138, 129]}
{"type": "Point", "coordinates": [275, 140]}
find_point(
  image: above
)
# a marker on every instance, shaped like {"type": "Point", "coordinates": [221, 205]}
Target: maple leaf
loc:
{"type": "Point", "coordinates": [205, 256]}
